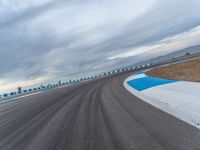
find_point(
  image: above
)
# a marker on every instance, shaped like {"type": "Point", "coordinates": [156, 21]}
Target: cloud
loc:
{"type": "Point", "coordinates": [165, 46]}
{"type": "Point", "coordinates": [6, 86]}
{"type": "Point", "coordinates": [58, 39]}
{"type": "Point", "coordinates": [134, 52]}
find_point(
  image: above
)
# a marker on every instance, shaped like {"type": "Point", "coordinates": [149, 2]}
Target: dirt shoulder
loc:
{"type": "Point", "coordinates": [187, 71]}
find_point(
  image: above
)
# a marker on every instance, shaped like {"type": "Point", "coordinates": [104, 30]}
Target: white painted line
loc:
{"type": "Point", "coordinates": [19, 97]}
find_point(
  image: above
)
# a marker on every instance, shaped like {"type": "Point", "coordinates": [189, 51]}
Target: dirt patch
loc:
{"type": "Point", "coordinates": [187, 71]}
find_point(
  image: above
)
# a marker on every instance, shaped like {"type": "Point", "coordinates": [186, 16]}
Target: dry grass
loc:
{"type": "Point", "coordinates": [187, 71]}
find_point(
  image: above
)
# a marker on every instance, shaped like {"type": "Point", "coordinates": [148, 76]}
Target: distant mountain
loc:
{"type": "Point", "coordinates": [192, 50]}
{"type": "Point", "coordinates": [179, 53]}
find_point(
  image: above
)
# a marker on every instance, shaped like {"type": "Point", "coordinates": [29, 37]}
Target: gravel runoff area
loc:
{"type": "Point", "coordinates": [187, 71]}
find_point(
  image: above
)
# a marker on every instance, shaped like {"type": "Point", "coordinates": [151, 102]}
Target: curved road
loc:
{"type": "Point", "coordinates": [98, 115]}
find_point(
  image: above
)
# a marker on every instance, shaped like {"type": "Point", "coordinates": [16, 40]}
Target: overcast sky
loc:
{"type": "Point", "coordinates": [48, 40]}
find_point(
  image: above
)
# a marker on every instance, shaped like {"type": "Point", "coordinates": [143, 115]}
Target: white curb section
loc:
{"type": "Point", "coordinates": [180, 99]}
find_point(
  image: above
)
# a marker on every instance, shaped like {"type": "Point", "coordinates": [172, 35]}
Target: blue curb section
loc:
{"type": "Point", "coordinates": [144, 83]}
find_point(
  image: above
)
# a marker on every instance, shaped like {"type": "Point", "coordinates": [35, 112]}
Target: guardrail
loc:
{"type": "Point", "coordinates": [70, 82]}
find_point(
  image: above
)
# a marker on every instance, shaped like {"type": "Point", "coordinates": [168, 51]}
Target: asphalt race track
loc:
{"type": "Point", "coordinates": [98, 115]}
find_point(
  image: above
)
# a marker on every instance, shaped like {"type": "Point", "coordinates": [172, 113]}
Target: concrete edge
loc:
{"type": "Point", "coordinates": [179, 113]}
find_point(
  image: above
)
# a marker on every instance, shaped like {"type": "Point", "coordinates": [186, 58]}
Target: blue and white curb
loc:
{"type": "Point", "coordinates": [178, 98]}
{"type": "Point", "coordinates": [144, 83]}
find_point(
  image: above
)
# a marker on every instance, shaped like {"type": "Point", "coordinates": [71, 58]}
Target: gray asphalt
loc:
{"type": "Point", "coordinates": [99, 115]}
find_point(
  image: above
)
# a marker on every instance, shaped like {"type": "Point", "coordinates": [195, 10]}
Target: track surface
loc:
{"type": "Point", "coordinates": [100, 115]}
